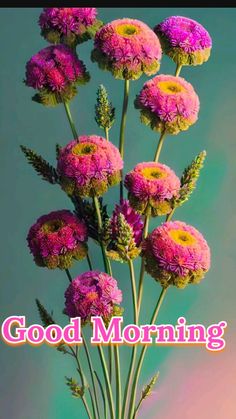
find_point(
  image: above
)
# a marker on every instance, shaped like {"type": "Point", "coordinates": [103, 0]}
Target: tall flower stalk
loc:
{"type": "Point", "coordinates": [88, 166]}
{"type": "Point", "coordinates": [142, 355]}
{"type": "Point", "coordinates": [122, 129]}
{"type": "Point", "coordinates": [71, 122]}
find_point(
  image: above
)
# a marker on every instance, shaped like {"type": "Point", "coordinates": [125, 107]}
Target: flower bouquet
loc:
{"type": "Point", "coordinates": [174, 253]}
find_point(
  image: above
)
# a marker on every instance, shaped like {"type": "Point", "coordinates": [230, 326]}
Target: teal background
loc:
{"type": "Point", "coordinates": [193, 382]}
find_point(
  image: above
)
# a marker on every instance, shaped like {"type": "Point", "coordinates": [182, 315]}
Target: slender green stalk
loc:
{"type": "Point", "coordinates": [89, 262]}
{"type": "Point", "coordinates": [83, 382]}
{"type": "Point", "coordinates": [122, 129]}
{"type": "Point", "coordinates": [93, 405]}
{"type": "Point", "coordinates": [134, 292]}
{"type": "Point", "coordinates": [107, 267]}
{"type": "Point", "coordinates": [137, 407]}
{"type": "Point", "coordinates": [110, 356]}
{"type": "Point", "coordinates": [170, 215]}
{"type": "Point", "coordinates": [178, 69]}
{"type": "Point", "coordinates": [142, 270]}
{"type": "Point", "coordinates": [103, 395]}
{"type": "Point", "coordinates": [106, 133]}
{"type": "Point", "coordinates": [118, 382]}
{"type": "Point", "coordinates": [146, 225]}
{"type": "Point", "coordinates": [91, 373]}
{"type": "Point", "coordinates": [71, 122]}
{"type": "Point", "coordinates": [68, 275]}
{"type": "Point", "coordinates": [99, 219]}
{"type": "Point", "coordinates": [107, 381]}
{"type": "Point", "coordinates": [123, 118]}
{"type": "Point", "coordinates": [142, 355]}
{"type": "Point", "coordinates": [159, 146]}
{"type": "Point", "coordinates": [86, 407]}
{"type": "Point", "coordinates": [134, 349]}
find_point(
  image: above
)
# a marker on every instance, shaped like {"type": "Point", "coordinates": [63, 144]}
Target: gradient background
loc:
{"type": "Point", "coordinates": [193, 382]}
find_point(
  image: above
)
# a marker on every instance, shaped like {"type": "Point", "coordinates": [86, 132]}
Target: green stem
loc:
{"type": "Point", "coordinates": [134, 349]}
{"type": "Point", "coordinates": [142, 270]}
{"type": "Point", "coordinates": [68, 275]}
{"type": "Point", "coordinates": [134, 292]}
{"type": "Point", "coordinates": [83, 381]}
{"type": "Point", "coordinates": [71, 122]}
{"type": "Point", "coordinates": [170, 215]}
{"type": "Point", "coordinates": [107, 381]}
{"type": "Point", "coordinates": [93, 405]}
{"type": "Point", "coordinates": [142, 398]}
{"type": "Point", "coordinates": [89, 262]}
{"type": "Point", "coordinates": [99, 219]}
{"type": "Point", "coordinates": [86, 407]}
{"type": "Point", "coordinates": [137, 407]}
{"type": "Point", "coordinates": [118, 383]}
{"type": "Point", "coordinates": [123, 118]}
{"type": "Point", "coordinates": [106, 133]}
{"type": "Point", "coordinates": [178, 69]}
{"type": "Point", "coordinates": [107, 267]}
{"type": "Point", "coordinates": [110, 356]}
{"type": "Point", "coordinates": [159, 146]}
{"type": "Point", "coordinates": [122, 129]}
{"type": "Point", "coordinates": [142, 354]}
{"type": "Point", "coordinates": [91, 372]}
{"type": "Point", "coordinates": [103, 395]}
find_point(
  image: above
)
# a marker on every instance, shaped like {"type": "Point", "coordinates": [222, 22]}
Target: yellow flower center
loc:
{"type": "Point", "coordinates": [83, 149]}
{"type": "Point", "coordinates": [92, 296]}
{"type": "Point", "coordinates": [182, 237]}
{"type": "Point", "coordinates": [52, 226]}
{"type": "Point", "coordinates": [127, 30]}
{"type": "Point", "coordinates": [171, 87]}
{"type": "Point", "coordinates": [153, 173]}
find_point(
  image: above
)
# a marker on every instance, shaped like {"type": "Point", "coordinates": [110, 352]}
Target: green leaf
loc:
{"type": "Point", "coordinates": [147, 391]}
{"type": "Point", "coordinates": [76, 390]}
{"type": "Point", "coordinates": [104, 111]}
{"type": "Point", "coordinates": [45, 317]}
{"type": "Point", "coordinates": [189, 179]}
{"type": "Point", "coordinates": [41, 166]}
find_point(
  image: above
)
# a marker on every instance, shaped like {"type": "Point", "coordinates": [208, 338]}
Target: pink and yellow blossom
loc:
{"type": "Point", "coordinates": [176, 254]}
{"type": "Point", "coordinates": [128, 48]}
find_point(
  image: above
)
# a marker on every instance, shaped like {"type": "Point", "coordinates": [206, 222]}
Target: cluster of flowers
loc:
{"type": "Point", "coordinates": [68, 25]}
{"type": "Point", "coordinates": [174, 253]}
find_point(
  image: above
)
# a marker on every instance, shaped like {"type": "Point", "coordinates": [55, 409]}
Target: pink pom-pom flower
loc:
{"type": "Point", "coordinates": [68, 25]}
{"type": "Point", "coordinates": [90, 294]}
{"type": "Point", "coordinates": [128, 48]}
{"type": "Point", "coordinates": [151, 188]}
{"type": "Point", "coordinates": [184, 40]}
{"type": "Point", "coordinates": [176, 254]}
{"type": "Point", "coordinates": [55, 72]}
{"type": "Point", "coordinates": [56, 239]}
{"type": "Point", "coordinates": [89, 165]}
{"type": "Point", "coordinates": [168, 103]}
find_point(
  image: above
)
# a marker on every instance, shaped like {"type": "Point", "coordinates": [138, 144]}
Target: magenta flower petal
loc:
{"type": "Point", "coordinates": [89, 165]}
{"type": "Point", "coordinates": [56, 238]}
{"type": "Point", "coordinates": [128, 48]}
{"type": "Point", "coordinates": [90, 294]}
{"type": "Point", "coordinates": [184, 40]}
{"type": "Point", "coordinates": [176, 253]}
{"type": "Point", "coordinates": [70, 25]}
{"type": "Point", "coordinates": [168, 103]}
{"type": "Point", "coordinates": [151, 187]}
{"type": "Point", "coordinates": [131, 217]}
{"type": "Point", "coordinates": [55, 71]}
